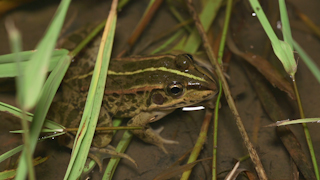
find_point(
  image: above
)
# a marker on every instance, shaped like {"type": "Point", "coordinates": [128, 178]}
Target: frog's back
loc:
{"type": "Point", "coordinates": [143, 83]}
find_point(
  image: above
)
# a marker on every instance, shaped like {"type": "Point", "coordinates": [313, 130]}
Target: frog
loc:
{"type": "Point", "coordinates": [141, 88]}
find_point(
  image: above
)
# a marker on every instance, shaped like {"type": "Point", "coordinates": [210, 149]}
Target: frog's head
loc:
{"type": "Point", "coordinates": [187, 84]}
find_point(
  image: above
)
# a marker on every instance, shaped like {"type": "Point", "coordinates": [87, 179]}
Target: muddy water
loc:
{"type": "Point", "coordinates": [184, 127]}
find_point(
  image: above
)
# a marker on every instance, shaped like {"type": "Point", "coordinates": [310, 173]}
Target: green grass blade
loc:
{"type": "Point", "coordinates": [286, 30]}
{"type": "Point", "coordinates": [16, 47]}
{"type": "Point", "coordinates": [26, 55]}
{"type": "Point", "coordinates": [177, 15]}
{"type": "Point", "coordinates": [9, 174]}
{"type": "Point", "coordinates": [121, 4]}
{"type": "Point", "coordinates": [313, 67]}
{"type": "Point", "coordinates": [93, 104]}
{"type": "Point", "coordinates": [282, 49]}
{"type": "Point", "coordinates": [8, 67]}
{"type": "Point", "coordinates": [10, 153]}
{"type": "Point", "coordinates": [42, 131]}
{"type": "Point", "coordinates": [20, 148]}
{"type": "Point", "coordinates": [206, 17]}
{"type": "Point", "coordinates": [87, 39]}
{"type": "Point", "coordinates": [18, 113]}
{"type": "Point", "coordinates": [216, 110]}
{"type": "Point", "coordinates": [47, 94]}
{"type": "Point", "coordinates": [169, 41]}
{"type": "Point", "coordinates": [36, 70]}
{"type": "Point", "coordinates": [121, 147]}
{"type": "Point", "coordinates": [87, 169]}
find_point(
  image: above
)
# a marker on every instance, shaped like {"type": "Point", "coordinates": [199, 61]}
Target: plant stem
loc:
{"type": "Point", "coordinates": [306, 130]}
{"type": "Point", "coordinates": [253, 153]}
{"type": "Point", "coordinates": [215, 134]}
{"type": "Point", "coordinates": [199, 144]}
{"type": "Point", "coordinates": [216, 112]}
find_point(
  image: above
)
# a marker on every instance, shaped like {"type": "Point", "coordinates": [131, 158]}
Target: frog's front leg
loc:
{"type": "Point", "coordinates": [149, 135]}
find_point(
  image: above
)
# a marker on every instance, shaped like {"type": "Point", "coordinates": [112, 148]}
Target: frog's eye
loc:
{"type": "Point", "coordinates": [175, 89]}
{"type": "Point", "coordinates": [183, 61]}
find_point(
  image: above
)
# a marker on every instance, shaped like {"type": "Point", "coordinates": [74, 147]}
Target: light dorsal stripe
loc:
{"type": "Point", "coordinates": [156, 69]}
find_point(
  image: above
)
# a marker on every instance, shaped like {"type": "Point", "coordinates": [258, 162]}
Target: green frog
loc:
{"type": "Point", "coordinates": [143, 88]}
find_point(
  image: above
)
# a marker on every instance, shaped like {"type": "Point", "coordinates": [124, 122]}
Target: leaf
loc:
{"type": "Point", "coordinates": [297, 121]}
{"type": "Point", "coordinates": [8, 67]}
{"type": "Point", "coordinates": [285, 55]}
{"type": "Point", "coordinates": [36, 69]}
{"type": "Point", "coordinates": [49, 90]}
{"type": "Point", "coordinates": [265, 68]}
{"type": "Point", "coordinates": [93, 104]}
{"type": "Point", "coordinates": [8, 174]}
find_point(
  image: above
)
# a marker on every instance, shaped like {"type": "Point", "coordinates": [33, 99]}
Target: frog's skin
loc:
{"type": "Point", "coordinates": [144, 88]}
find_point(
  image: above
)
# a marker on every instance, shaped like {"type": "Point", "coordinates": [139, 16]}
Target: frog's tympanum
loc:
{"type": "Point", "coordinates": [144, 88]}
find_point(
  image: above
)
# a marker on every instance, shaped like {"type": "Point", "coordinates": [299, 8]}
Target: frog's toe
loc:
{"type": "Point", "coordinates": [99, 154]}
{"type": "Point", "coordinates": [158, 130]}
{"type": "Point", "coordinates": [164, 141]}
{"type": "Point", "coordinates": [152, 136]}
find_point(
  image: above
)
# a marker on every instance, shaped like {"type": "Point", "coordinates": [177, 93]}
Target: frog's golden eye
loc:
{"type": "Point", "coordinates": [175, 89]}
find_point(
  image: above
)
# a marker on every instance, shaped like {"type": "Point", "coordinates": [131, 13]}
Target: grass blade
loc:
{"type": "Point", "coordinates": [8, 67]}
{"type": "Point", "coordinates": [282, 49]}
{"type": "Point", "coordinates": [29, 116]}
{"type": "Point", "coordinates": [296, 121]}
{"type": "Point", "coordinates": [114, 161]}
{"type": "Point", "coordinates": [313, 67]}
{"type": "Point", "coordinates": [199, 144]}
{"type": "Point", "coordinates": [286, 30]}
{"type": "Point", "coordinates": [9, 174]}
{"type": "Point", "coordinates": [20, 148]}
{"type": "Point", "coordinates": [47, 94]}
{"type": "Point", "coordinates": [206, 18]}
{"type": "Point", "coordinates": [253, 153]}
{"type": "Point", "coordinates": [36, 70]}
{"type": "Point", "coordinates": [146, 18]}
{"type": "Point", "coordinates": [93, 104]}
{"type": "Point", "coordinates": [10, 153]}
{"type": "Point", "coordinates": [16, 47]}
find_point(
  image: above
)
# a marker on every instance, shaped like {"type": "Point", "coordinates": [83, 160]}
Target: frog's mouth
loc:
{"type": "Point", "coordinates": [197, 99]}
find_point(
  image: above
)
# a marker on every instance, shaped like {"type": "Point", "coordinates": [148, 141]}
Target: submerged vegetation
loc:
{"type": "Point", "coordinates": [202, 31]}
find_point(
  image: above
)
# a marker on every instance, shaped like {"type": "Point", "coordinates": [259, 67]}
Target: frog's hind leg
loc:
{"type": "Point", "coordinates": [101, 148]}
{"type": "Point", "coordinates": [99, 154]}
{"type": "Point", "coordinates": [150, 135]}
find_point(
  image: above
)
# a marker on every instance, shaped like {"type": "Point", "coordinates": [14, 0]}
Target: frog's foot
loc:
{"type": "Point", "coordinates": [152, 136]}
{"type": "Point", "coordinates": [99, 154]}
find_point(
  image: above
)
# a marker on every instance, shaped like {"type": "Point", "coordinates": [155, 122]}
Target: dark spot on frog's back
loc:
{"type": "Point", "coordinates": [134, 100]}
{"type": "Point", "coordinates": [108, 104]}
{"type": "Point", "coordinates": [128, 97]}
{"type": "Point", "coordinates": [115, 95]}
{"type": "Point", "coordinates": [132, 108]}
{"type": "Point", "coordinates": [71, 117]}
{"type": "Point", "coordinates": [81, 103]}
{"type": "Point", "coordinates": [111, 99]}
